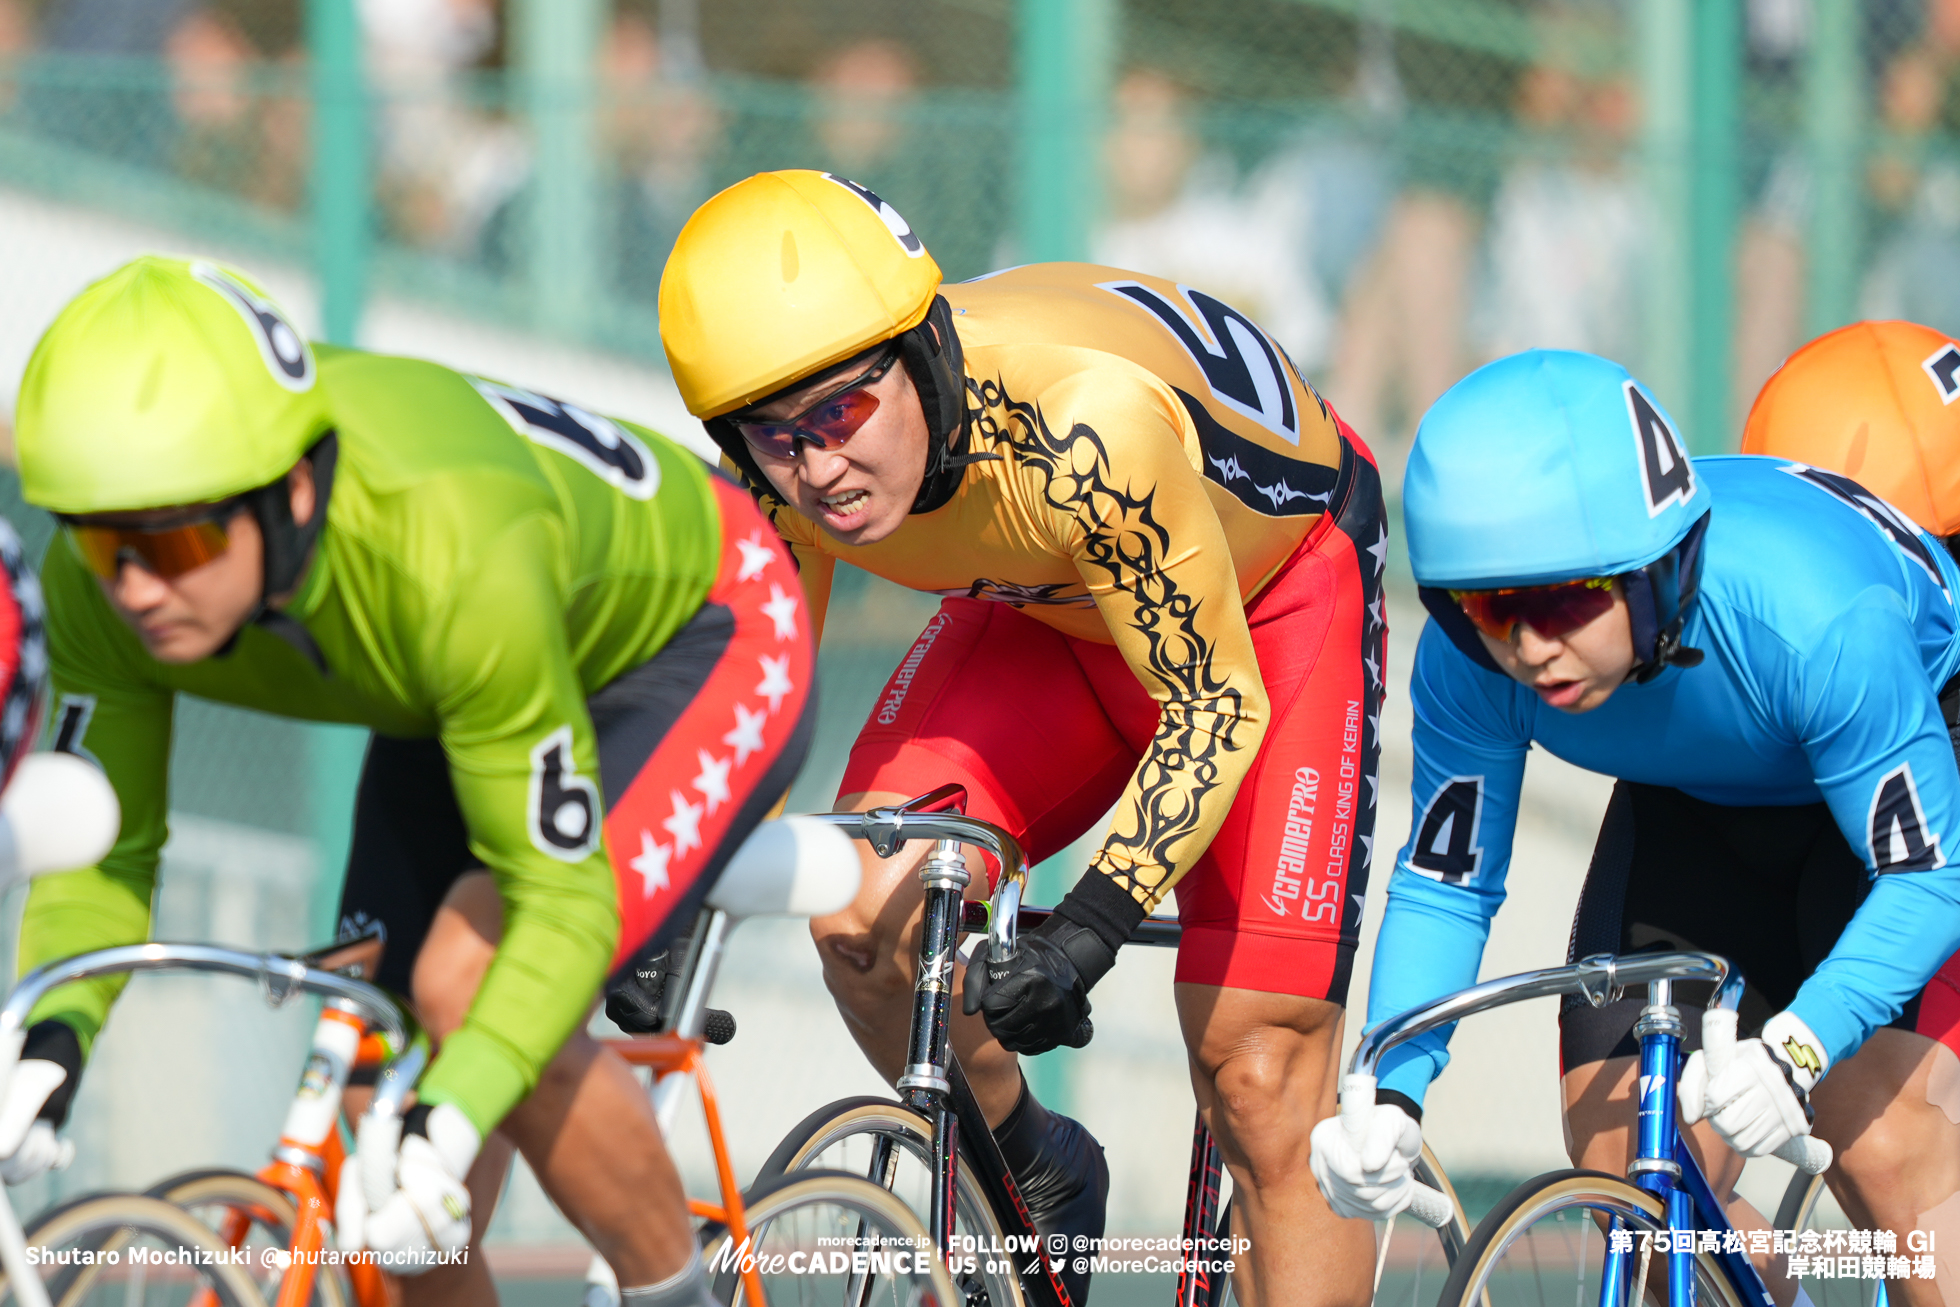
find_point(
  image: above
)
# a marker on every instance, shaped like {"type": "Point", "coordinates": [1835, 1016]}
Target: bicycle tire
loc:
{"type": "Point", "coordinates": [839, 1208]}
{"type": "Point", "coordinates": [1796, 1212]}
{"type": "Point", "coordinates": [213, 1191]}
{"type": "Point", "coordinates": [113, 1223]}
{"type": "Point", "coordinates": [1452, 1237]}
{"type": "Point", "coordinates": [804, 1148]}
{"type": "Point", "coordinates": [1552, 1195]}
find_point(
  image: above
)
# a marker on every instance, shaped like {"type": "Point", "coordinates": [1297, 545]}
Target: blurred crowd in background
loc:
{"type": "Point", "coordinates": [1394, 209]}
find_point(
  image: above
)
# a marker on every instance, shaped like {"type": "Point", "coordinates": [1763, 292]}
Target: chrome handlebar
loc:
{"type": "Point", "coordinates": [1600, 978]}
{"type": "Point", "coordinates": [279, 976]}
{"type": "Point", "coordinates": [936, 816]}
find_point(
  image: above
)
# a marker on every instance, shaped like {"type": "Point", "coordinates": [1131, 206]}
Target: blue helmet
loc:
{"type": "Point", "coordinates": [1550, 466]}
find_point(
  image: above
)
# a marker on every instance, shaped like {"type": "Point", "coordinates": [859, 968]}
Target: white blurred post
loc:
{"type": "Point", "coordinates": [1834, 110]}
{"type": "Point", "coordinates": [556, 44]}
{"type": "Point", "coordinates": [1664, 36]}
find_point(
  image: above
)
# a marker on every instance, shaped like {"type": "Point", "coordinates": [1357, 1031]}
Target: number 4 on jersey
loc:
{"type": "Point", "coordinates": [1901, 839]}
{"type": "Point", "coordinates": [1446, 839]}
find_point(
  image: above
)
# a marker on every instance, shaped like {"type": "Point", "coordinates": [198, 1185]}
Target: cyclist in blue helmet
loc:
{"type": "Point", "coordinates": [1764, 655]}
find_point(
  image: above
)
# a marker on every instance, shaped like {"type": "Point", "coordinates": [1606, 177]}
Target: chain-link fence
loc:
{"type": "Point", "coordinates": [1398, 188]}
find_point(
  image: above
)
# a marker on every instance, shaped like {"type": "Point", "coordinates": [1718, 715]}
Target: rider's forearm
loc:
{"type": "Point", "coordinates": [1182, 790]}
{"type": "Point", "coordinates": [538, 990]}
{"type": "Point", "coordinates": [76, 912]}
{"type": "Point", "coordinates": [1898, 938]}
{"type": "Point", "coordinates": [1431, 943]}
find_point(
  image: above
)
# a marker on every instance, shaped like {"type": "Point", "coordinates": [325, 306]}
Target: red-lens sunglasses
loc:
{"type": "Point", "coordinates": [168, 549]}
{"type": "Point", "coordinates": [827, 423]}
{"type": "Point", "coordinates": [1551, 610]}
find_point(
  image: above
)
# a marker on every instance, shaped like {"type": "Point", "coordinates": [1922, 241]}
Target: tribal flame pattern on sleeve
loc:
{"type": "Point", "coordinates": [1122, 540]}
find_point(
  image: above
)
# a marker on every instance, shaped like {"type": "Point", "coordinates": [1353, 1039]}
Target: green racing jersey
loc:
{"type": "Point", "coordinates": [490, 558]}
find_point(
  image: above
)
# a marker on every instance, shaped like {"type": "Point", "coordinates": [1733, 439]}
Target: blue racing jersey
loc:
{"type": "Point", "coordinates": [1829, 626]}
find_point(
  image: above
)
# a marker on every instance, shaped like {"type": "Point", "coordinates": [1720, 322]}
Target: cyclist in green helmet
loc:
{"type": "Point", "coordinates": [571, 640]}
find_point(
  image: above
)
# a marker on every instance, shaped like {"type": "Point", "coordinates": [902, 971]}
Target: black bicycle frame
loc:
{"type": "Point", "coordinates": [934, 1086]}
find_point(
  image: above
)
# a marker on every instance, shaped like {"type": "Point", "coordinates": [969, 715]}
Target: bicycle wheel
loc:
{"type": "Point", "coordinates": [128, 1250]}
{"type": "Point", "coordinates": [841, 1136]}
{"type": "Point", "coordinates": [1545, 1246]}
{"type": "Point", "coordinates": [1808, 1205]}
{"type": "Point", "coordinates": [250, 1214]}
{"type": "Point", "coordinates": [807, 1233]}
{"type": "Point", "coordinates": [1417, 1256]}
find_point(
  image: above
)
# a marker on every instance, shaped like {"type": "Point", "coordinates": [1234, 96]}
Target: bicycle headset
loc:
{"type": "Point", "coordinates": [1549, 466]}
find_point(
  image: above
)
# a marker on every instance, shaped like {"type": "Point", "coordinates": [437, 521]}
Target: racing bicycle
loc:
{"type": "Point", "coordinates": [934, 1142]}
{"type": "Point", "coordinates": [141, 1248]}
{"type": "Point", "coordinates": [758, 1243]}
{"type": "Point", "coordinates": [1576, 1236]}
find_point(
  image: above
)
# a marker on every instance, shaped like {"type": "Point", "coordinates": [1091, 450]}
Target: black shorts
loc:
{"type": "Point", "coordinates": [653, 724]}
{"type": "Point", "coordinates": [1769, 888]}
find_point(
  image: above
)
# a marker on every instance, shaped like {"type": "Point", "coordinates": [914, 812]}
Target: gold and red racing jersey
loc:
{"type": "Point", "coordinates": [1157, 458]}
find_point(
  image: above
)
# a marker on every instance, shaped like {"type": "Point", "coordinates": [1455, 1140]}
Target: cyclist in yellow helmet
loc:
{"type": "Point", "coordinates": [1161, 554]}
{"type": "Point", "coordinates": [550, 620]}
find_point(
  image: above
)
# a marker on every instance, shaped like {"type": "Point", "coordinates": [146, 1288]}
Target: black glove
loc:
{"type": "Point", "coordinates": [1039, 999]}
{"type": "Point", "coordinates": [55, 1041]}
{"type": "Point", "coordinates": [633, 1001]}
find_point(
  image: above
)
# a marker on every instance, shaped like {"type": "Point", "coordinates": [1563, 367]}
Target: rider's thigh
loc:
{"type": "Point", "coordinates": [1262, 1065]}
{"type": "Point", "coordinates": [1600, 1113]}
{"type": "Point", "coordinates": [877, 930]}
{"type": "Point", "coordinates": [1892, 1112]}
{"type": "Point", "coordinates": [457, 953]}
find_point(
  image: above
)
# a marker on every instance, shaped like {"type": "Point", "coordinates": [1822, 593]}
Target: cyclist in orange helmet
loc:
{"type": "Point", "coordinates": [1874, 401]}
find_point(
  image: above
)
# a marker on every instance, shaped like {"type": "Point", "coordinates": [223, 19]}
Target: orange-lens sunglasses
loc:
{"type": "Point", "coordinates": [168, 549]}
{"type": "Point", "coordinates": [1551, 610]}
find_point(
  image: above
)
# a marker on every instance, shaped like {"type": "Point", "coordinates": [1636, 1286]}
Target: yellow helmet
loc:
{"type": "Point", "coordinates": [781, 276]}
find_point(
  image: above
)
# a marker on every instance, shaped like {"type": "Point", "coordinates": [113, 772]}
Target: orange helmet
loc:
{"type": "Point", "coordinates": [1876, 402]}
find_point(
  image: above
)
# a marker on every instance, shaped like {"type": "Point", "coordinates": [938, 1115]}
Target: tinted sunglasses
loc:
{"type": "Point", "coordinates": [1551, 610]}
{"type": "Point", "coordinates": [168, 548]}
{"type": "Point", "coordinates": [828, 423]}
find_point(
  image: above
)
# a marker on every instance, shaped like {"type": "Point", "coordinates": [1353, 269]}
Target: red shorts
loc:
{"type": "Point", "coordinates": [705, 775]}
{"type": "Point", "coordinates": [1045, 731]}
{"type": "Point", "coordinates": [696, 745]}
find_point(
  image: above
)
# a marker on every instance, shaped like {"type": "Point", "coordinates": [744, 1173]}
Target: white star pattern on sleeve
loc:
{"type": "Point", "coordinates": [713, 780]}
{"type": "Point", "coordinates": [781, 609]}
{"type": "Point", "coordinates": [746, 738]}
{"type": "Point", "coordinates": [1380, 550]}
{"type": "Point", "coordinates": [684, 825]}
{"type": "Point", "coordinates": [776, 684]}
{"type": "Point", "coordinates": [755, 556]}
{"type": "Point", "coordinates": [651, 864]}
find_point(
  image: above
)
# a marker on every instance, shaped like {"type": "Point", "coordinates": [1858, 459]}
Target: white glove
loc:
{"type": "Point", "coordinates": [1367, 1172]}
{"type": "Point", "coordinates": [401, 1190]}
{"type": "Point", "coordinates": [28, 1145]}
{"type": "Point", "coordinates": [1755, 1092]}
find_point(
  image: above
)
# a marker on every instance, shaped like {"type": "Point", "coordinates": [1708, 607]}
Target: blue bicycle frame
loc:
{"type": "Point", "coordinates": [1663, 1165]}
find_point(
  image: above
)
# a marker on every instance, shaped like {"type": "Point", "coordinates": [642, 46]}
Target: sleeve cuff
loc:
{"type": "Point", "coordinates": [1103, 906]}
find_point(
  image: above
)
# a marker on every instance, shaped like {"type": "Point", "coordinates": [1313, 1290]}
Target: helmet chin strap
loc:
{"type": "Point", "coordinates": [933, 358]}
{"type": "Point", "coordinates": [287, 546]}
{"type": "Point", "coordinates": [1660, 596]}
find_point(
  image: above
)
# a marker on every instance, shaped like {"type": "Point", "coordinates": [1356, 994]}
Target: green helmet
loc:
{"type": "Point", "coordinates": [169, 381]}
